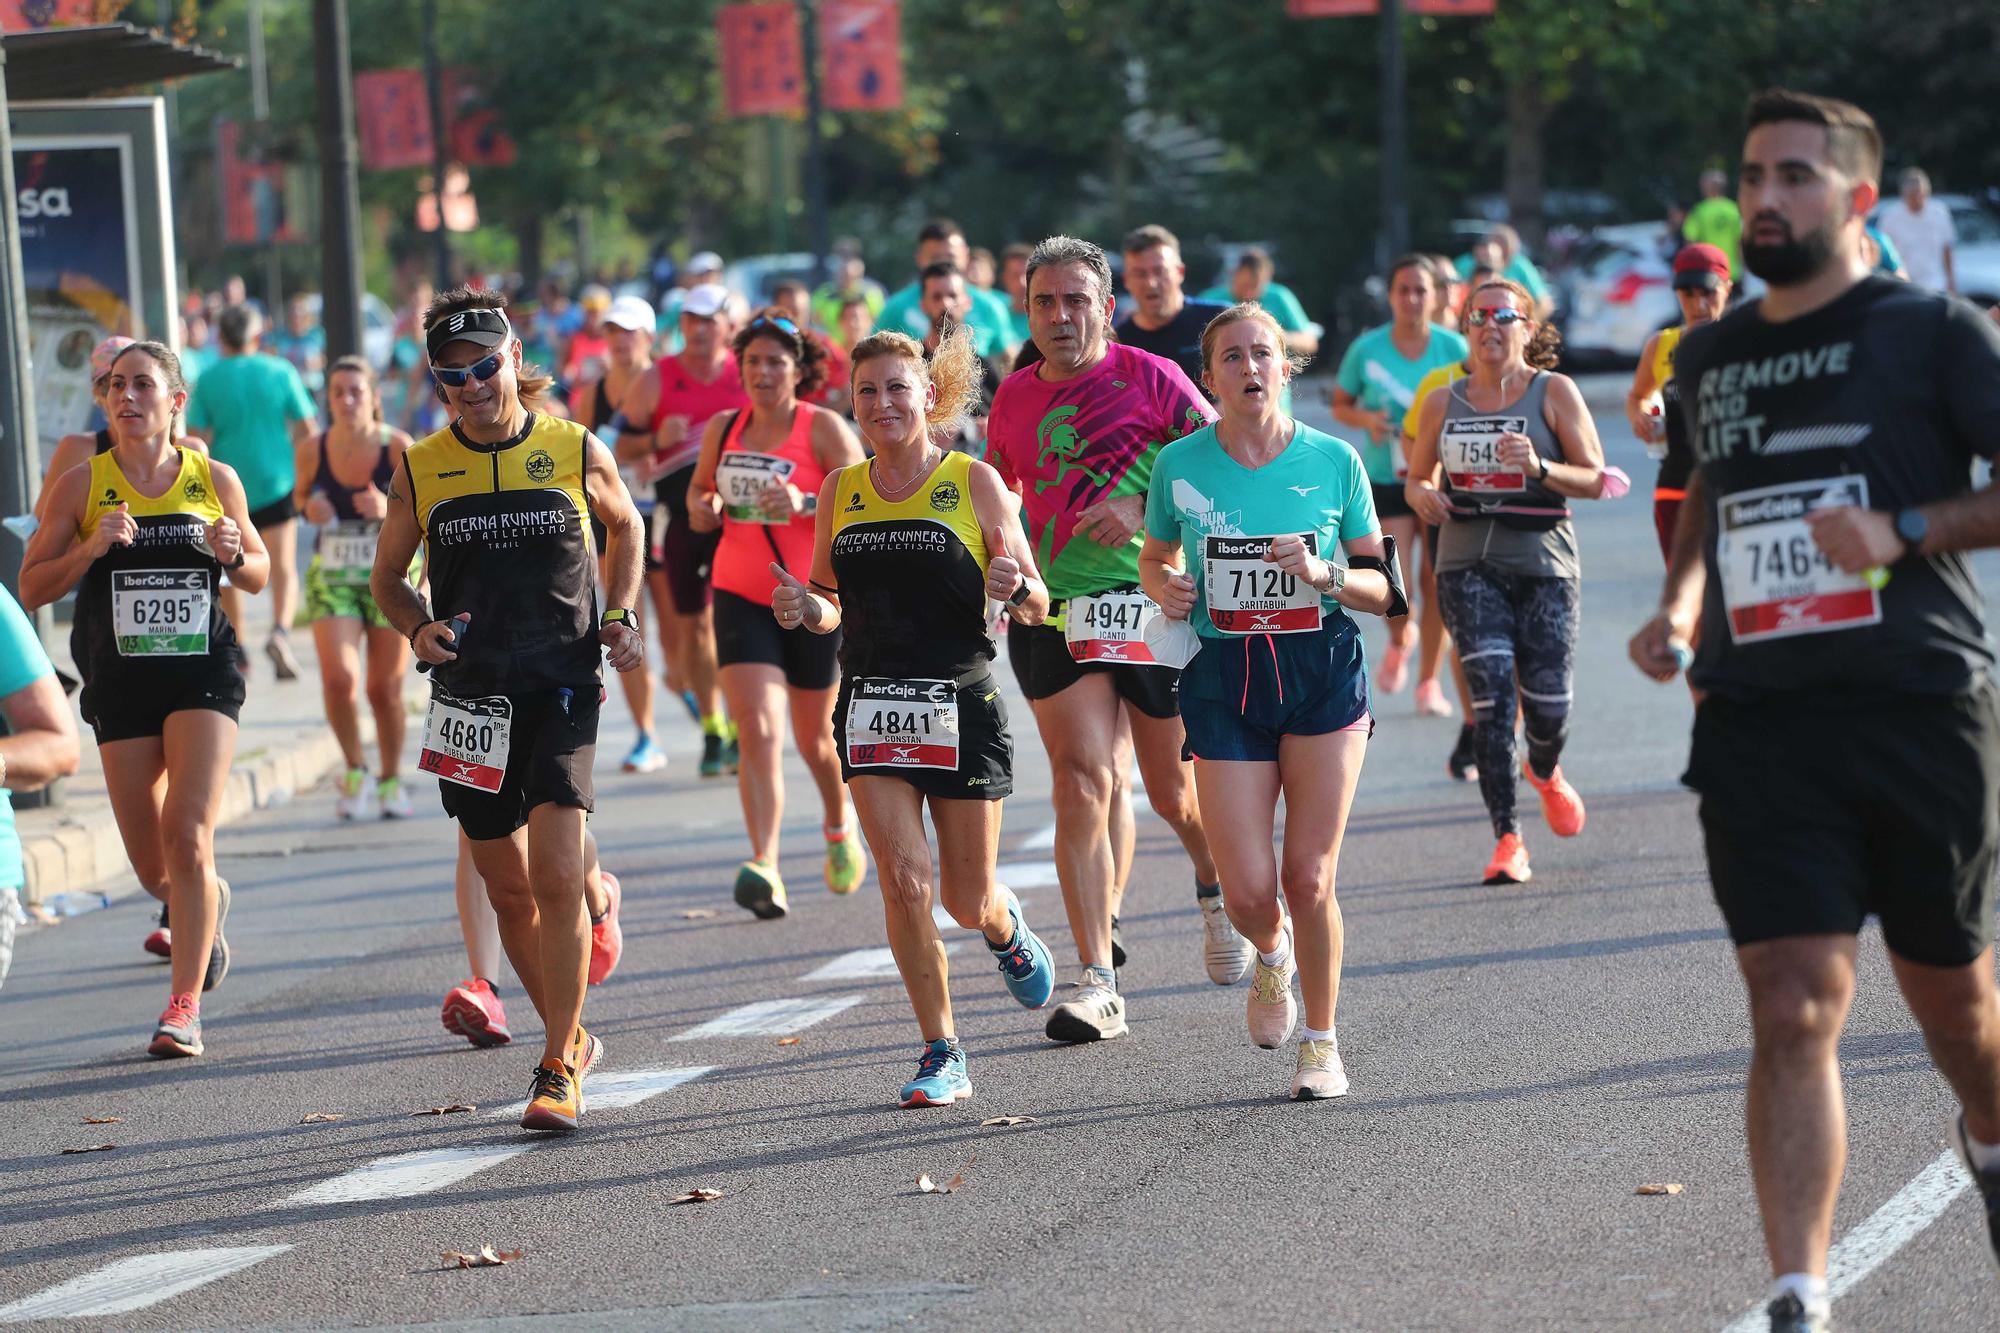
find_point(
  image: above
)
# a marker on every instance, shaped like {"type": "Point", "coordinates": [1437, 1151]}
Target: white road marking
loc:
{"type": "Point", "coordinates": [606, 1090]}
{"type": "Point", "coordinates": [861, 965]}
{"type": "Point", "coordinates": [1041, 840]}
{"type": "Point", "coordinates": [771, 1018]}
{"type": "Point", "coordinates": [1886, 1230]}
{"type": "Point", "coordinates": [135, 1283]}
{"type": "Point", "coordinates": [1028, 874]}
{"type": "Point", "coordinates": [403, 1175]}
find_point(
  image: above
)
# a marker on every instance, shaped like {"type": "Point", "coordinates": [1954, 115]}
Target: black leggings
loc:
{"type": "Point", "coordinates": [1512, 629]}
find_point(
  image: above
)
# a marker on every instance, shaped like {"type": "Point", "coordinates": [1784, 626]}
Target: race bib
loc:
{"type": "Point", "coordinates": [742, 477]}
{"type": "Point", "coordinates": [160, 612]}
{"type": "Point", "coordinates": [902, 724]}
{"type": "Point", "coordinates": [1246, 594]}
{"type": "Point", "coordinates": [1470, 450]}
{"type": "Point", "coordinates": [466, 741]}
{"type": "Point", "coordinates": [1776, 582]}
{"type": "Point", "coordinates": [347, 552]}
{"type": "Point", "coordinates": [1110, 627]}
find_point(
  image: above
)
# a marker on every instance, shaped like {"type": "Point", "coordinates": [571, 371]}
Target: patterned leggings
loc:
{"type": "Point", "coordinates": [1513, 630]}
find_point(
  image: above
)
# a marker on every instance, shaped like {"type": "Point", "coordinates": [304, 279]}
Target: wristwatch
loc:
{"type": "Point", "coordinates": [621, 615]}
{"type": "Point", "coordinates": [1336, 579]}
{"type": "Point", "coordinates": [1543, 460]}
{"type": "Point", "coordinates": [237, 563]}
{"type": "Point", "coordinates": [1019, 595]}
{"type": "Point", "coordinates": [1912, 527]}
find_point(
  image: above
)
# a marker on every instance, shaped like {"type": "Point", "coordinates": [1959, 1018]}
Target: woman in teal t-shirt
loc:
{"type": "Point", "coordinates": [1377, 382]}
{"type": "Point", "coordinates": [1276, 700]}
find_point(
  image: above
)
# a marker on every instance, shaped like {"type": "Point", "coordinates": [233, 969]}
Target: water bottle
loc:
{"type": "Point", "coordinates": [1656, 436]}
{"type": "Point", "coordinates": [76, 904]}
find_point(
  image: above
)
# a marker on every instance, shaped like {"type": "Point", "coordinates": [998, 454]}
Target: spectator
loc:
{"type": "Point", "coordinates": [302, 342]}
{"type": "Point", "coordinates": [1923, 233]}
{"type": "Point", "coordinates": [943, 241]}
{"type": "Point", "coordinates": [39, 747]}
{"type": "Point", "coordinates": [1251, 280]}
{"type": "Point", "coordinates": [850, 280]}
{"type": "Point", "coordinates": [1715, 221]}
{"type": "Point", "coordinates": [254, 412]}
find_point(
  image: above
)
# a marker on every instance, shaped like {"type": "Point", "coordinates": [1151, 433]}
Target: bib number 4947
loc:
{"type": "Point", "coordinates": [1110, 627]}
{"type": "Point", "coordinates": [466, 741]}
{"type": "Point", "coordinates": [1247, 594]}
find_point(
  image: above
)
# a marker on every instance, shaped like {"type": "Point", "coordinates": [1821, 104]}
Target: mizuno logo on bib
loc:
{"type": "Point", "coordinates": [1109, 627]}
{"type": "Point", "coordinates": [347, 552]}
{"type": "Point", "coordinates": [1776, 582]}
{"type": "Point", "coordinates": [1470, 449]}
{"type": "Point", "coordinates": [160, 612]}
{"type": "Point", "coordinates": [902, 724]}
{"type": "Point", "coordinates": [1247, 594]}
{"type": "Point", "coordinates": [466, 741]}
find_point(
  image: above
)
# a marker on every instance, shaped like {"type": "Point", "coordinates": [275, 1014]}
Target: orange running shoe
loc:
{"type": "Point", "coordinates": [555, 1104]}
{"type": "Point", "coordinates": [473, 1011]}
{"type": "Point", "coordinates": [607, 938]}
{"type": "Point", "coordinates": [1510, 862]}
{"type": "Point", "coordinates": [1561, 806]}
{"type": "Point", "coordinates": [584, 1051]}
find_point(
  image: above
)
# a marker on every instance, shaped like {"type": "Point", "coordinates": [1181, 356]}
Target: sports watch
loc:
{"type": "Point", "coordinates": [1912, 527]}
{"type": "Point", "coordinates": [1019, 595]}
{"type": "Point", "coordinates": [621, 615]}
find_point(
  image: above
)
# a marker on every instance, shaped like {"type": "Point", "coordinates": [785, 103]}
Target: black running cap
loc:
{"type": "Point", "coordinates": [486, 328]}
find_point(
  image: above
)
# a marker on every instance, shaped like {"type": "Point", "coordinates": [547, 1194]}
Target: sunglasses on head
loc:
{"type": "Point", "coordinates": [776, 322]}
{"type": "Point", "coordinates": [1479, 316]}
{"type": "Point", "coordinates": [482, 370]}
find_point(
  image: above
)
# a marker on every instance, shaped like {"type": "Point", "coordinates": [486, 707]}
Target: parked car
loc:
{"type": "Point", "coordinates": [1975, 260]}
{"type": "Point", "coordinates": [1616, 291]}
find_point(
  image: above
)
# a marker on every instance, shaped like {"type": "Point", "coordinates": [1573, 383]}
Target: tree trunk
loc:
{"type": "Point", "coordinates": [528, 236]}
{"type": "Point", "coordinates": [1527, 116]}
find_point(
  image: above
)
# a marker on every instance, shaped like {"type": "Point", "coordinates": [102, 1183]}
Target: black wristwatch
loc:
{"type": "Point", "coordinates": [237, 563]}
{"type": "Point", "coordinates": [1543, 460]}
{"type": "Point", "coordinates": [621, 615]}
{"type": "Point", "coordinates": [1912, 527]}
{"type": "Point", "coordinates": [1019, 595]}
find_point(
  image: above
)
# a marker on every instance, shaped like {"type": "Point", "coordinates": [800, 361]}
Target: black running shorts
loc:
{"type": "Point", "coordinates": [120, 709]}
{"type": "Point", "coordinates": [554, 745]}
{"type": "Point", "coordinates": [1818, 816]}
{"type": "Point", "coordinates": [985, 747]}
{"type": "Point", "coordinates": [1043, 666]}
{"type": "Point", "coordinates": [746, 631]}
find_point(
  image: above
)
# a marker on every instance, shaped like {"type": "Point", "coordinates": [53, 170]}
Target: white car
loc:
{"type": "Point", "coordinates": [1617, 292]}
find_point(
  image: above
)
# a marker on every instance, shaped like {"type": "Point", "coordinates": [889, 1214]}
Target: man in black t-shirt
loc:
{"type": "Point", "coordinates": [1165, 323]}
{"type": "Point", "coordinates": [1847, 747]}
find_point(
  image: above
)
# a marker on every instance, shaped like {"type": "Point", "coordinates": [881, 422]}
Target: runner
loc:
{"type": "Point", "coordinates": [143, 533]}
{"type": "Point", "coordinates": [908, 551]}
{"type": "Point", "coordinates": [628, 333]}
{"type": "Point", "coordinates": [1847, 745]}
{"type": "Point", "coordinates": [1258, 504]}
{"type": "Point", "coordinates": [1077, 434]}
{"type": "Point", "coordinates": [501, 499]}
{"type": "Point", "coordinates": [1515, 444]}
{"type": "Point", "coordinates": [666, 412]}
{"type": "Point", "coordinates": [756, 481]}
{"type": "Point", "coordinates": [1163, 321]}
{"type": "Point", "coordinates": [1375, 387]}
{"type": "Point", "coordinates": [78, 448]}
{"type": "Point", "coordinates": [1654, 407]}
{"type": "Point", "coordinates": [344, 480]}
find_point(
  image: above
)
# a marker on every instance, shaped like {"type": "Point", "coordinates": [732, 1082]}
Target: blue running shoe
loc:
{"type": "Point", "coordinates": [694, 709]}
{"type": "Point", "coordinates": [941, 1078]}
{"type": "Point", "coordinates": [1024, 961]}
{"type": "Point", "coordinates": [645, 756]}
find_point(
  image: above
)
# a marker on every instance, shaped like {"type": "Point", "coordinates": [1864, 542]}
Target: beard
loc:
{"type": "Point", "coordinates": [1794, 260]}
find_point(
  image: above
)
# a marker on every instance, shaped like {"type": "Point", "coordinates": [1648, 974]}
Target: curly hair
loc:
{"type": "Point", "coordinates": [806, 351]}
{"type": "Point", "coordinates": [1236, 314]}
{"type": "Point", "coordinates": [953, 368]}
{"type": "Point", "coordinates": [534, 382]}
{"type": "Point", "coordinates": [1543, 349]}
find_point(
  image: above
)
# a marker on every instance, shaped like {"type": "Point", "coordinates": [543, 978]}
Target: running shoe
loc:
{"type": "Point", "coordinates": [352, 802]}
{"type": "Point", "coordinates": [1431, 701]}
{"type": "Point", "coordinates": [1319, 1074]}
{"type": "Point", "coordinates": [555, 1102]}
{"type": "Point", "coordinates": [1561, 806]}
{"type": "Point", "coordinates": [1987, 1182]}
{"type": "Point", "coordinates": [585, 1050]}
{"type": "Point", "coordinates": [1462, 766]}
{"type": "Point", "coordinates": [1025, 964]}
{"type": "Point", "coordinates": [941, 1078]}
{"type": "Point", "coordinates": [760, 891]}
{"type": "Point", "coordinates": [1788, 1314]}
{"type": "Point", "coordinates": [694, 708]}
{"type": "Point", "coordinates": [711, 755]}
{"type": "Point", "coordinates": [1510, 862]}
{"type": "Point", "coordinates": [607, 937]}
{"type": "Point", "coordinates": [473, 1011]}
{"type": "Point", "coordinates": [279, 649]}
{"type": "Point", "coordinates": [1395, 669]}
{"type": "Point", "coordinates": [1224, 953]}
{"type": "Point", "coordinates": [1097, 1013]}
{"type": "Point", "coordinates": [846, 863]}
{"type": "Point", "coordinates": [161, 941]}
{"type": "Point", "coordinates": [394, 799]}
{"type": "Point", "coordinates": [732, 754]}
{"type": "Point", "coordinates": [179, 1031]}
{"type": "Point", "coordinates": [1117, 945]}
{"type": "Point", "coordinates": [644, 756]}
{"type": "Point", "coordinates": [1271, 1009]}
{"type": "Point", "coordinates": [218, 953]}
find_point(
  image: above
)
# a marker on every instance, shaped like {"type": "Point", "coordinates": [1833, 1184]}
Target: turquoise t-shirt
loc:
{"type": "Point", "coordinates": [988, 317]}
{"type": "Point", "coordinates": [22, 663]}
{"type": "Point", "coordinates": [1382, 379]}
{"type": "Point", "coordinates": [1316, 485]}
{"type": "Point", "coordinates": [1285, 307]}
{"type": "Point", "coordinates": [248, 404]}
{"type": "Point", "coordinates": [1520, 268]}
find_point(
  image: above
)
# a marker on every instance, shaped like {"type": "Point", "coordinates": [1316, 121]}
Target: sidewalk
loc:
{"type": "Point", "coordinates": [284, 747]}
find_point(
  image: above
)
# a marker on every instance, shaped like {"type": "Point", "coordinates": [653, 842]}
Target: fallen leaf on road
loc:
{"type": "Point", "coordinates": [1005, 1121]}
{"type": "Point", "coordinates": [95, 1147]}
{"type": "Point", "coordinates": [696, 1196]}
{"type": "Point", "coordinates": [1658, 1189]}
{"type": "Point", "coordinates": [323, 1117]}
{"type": "Point", "coordinates": [102, 1119]}
{"type": "Point", "coordinates": [928, 1186]}
{"type": "Point", "coordinates": [698, 914]}
{"type": "Point", "coordinates": [788, 1041]}
{"type": "Point", "coordinates": [957, 1181]}
{"type": "Point", "coordinates": [488, 1257]}
{"type": "Point", "coordinates": [453, 1109]}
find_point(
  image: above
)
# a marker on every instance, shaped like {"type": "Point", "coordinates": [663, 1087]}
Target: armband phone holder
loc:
{"type": "Point", "coordinates": [1399, 601]}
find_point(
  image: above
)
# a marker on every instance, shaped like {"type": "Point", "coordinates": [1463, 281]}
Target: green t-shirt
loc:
{"type": "Point", "coordinates": [22, 663]}
{"type": "Point", "coordinates": [1382, 379]}
{"type": "Point", "coordinates": [1520, 268]}
{"type": "Point", "coordinates": [248, 404]}
{"type": "Point", "coordinates": [1279, 299]}
{"type": "Point", "coordinates": [1316, 485]}
{"type": "Point", "coordinates": [1719, 223]}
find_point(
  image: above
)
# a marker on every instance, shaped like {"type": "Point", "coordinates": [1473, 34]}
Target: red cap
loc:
{"type": "Point", "coordinates": [1700, 265]}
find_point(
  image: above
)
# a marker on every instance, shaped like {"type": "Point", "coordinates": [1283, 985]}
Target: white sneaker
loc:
{"type": "Point", "coordinates": [353, 801]}
{"type": "Point", "coordinates": [1226, 954]}
{"type": "Point", "coordinates": [1272, 1010]}
{"type": "Point", "coordinates": [1097, 1013]}
{"type": "Point", "coordinates": [1319, 1074]}
{"type": "Point", "coordinates": [394, 799]}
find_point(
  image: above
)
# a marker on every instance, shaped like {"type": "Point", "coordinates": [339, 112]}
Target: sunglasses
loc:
{"type": "Point", "coordinates": [1479, 316]}
{"type": "Point", "coordinates": [481, 370]}
{"type": "Point", "coordinates": [775, 322]}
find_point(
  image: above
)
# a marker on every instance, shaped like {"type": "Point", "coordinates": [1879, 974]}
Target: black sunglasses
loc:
{"type": "Point", "coordinates": [481, 370]}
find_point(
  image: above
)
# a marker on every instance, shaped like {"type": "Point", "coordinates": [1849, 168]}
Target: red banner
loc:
{"type": "Point", "coordinates": [392, 112]}
{"type": "Point", "coordinates": [1468, 7]}
{"type": "Point", "coordinates": [763, 67]}
{"type": "Point", "coordinates": [1330, 9]}
{"type": "Point", "coordinates": [29, 15]}
{"type": "Point", "coordinates": [253, 193]}
{"type": "Point", "coordinates": [861, 54]}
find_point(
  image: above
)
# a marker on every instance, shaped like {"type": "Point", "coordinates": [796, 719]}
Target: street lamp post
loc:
{"type": "Point", "coordinates": [340, 202]}
{"type": "Point", "coordinates": [434, 84]}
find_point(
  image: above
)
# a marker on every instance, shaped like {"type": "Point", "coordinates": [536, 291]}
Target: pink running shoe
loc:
{"type": "Point", "coordinates": [607, 939]}
{"type": "Point", "coordinates": [473, 1011]}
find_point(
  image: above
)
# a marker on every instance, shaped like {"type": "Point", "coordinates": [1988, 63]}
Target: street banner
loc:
{"type": "Point", "coordinates": [861, 54]}
{"type": "Point", "coordinates": [1331, 9]}
{"type": "Point", "coordinates": [30, 15]}
{"type": "Point", "coordinates": [1448, 7]}
{"type": "Point", "coordinates": [763, 67]}
{"type": "Point", "coordinates": [392, 111]}
{"type": "Point", "coordinates": [253, 192]}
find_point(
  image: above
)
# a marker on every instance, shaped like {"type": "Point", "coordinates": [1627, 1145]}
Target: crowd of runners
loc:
{"type": "Point", "coordinates": [835, 508]}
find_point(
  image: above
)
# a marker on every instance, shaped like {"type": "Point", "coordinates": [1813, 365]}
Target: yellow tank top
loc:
{"type": "Point", "coordinates": [1436, 378]}
{"type": "Point", "coordinates": [191, 497]}
{"type": "Point", "coordinates": [1664, 347]}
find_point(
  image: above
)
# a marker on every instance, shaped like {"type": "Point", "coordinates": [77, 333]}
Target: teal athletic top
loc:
{"type": "Point", "coordinates": [1382, 379]}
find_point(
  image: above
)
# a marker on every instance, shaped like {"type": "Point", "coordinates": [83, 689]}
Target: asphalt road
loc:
{"type": "Point", "coordinates": [1522, 1060]}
